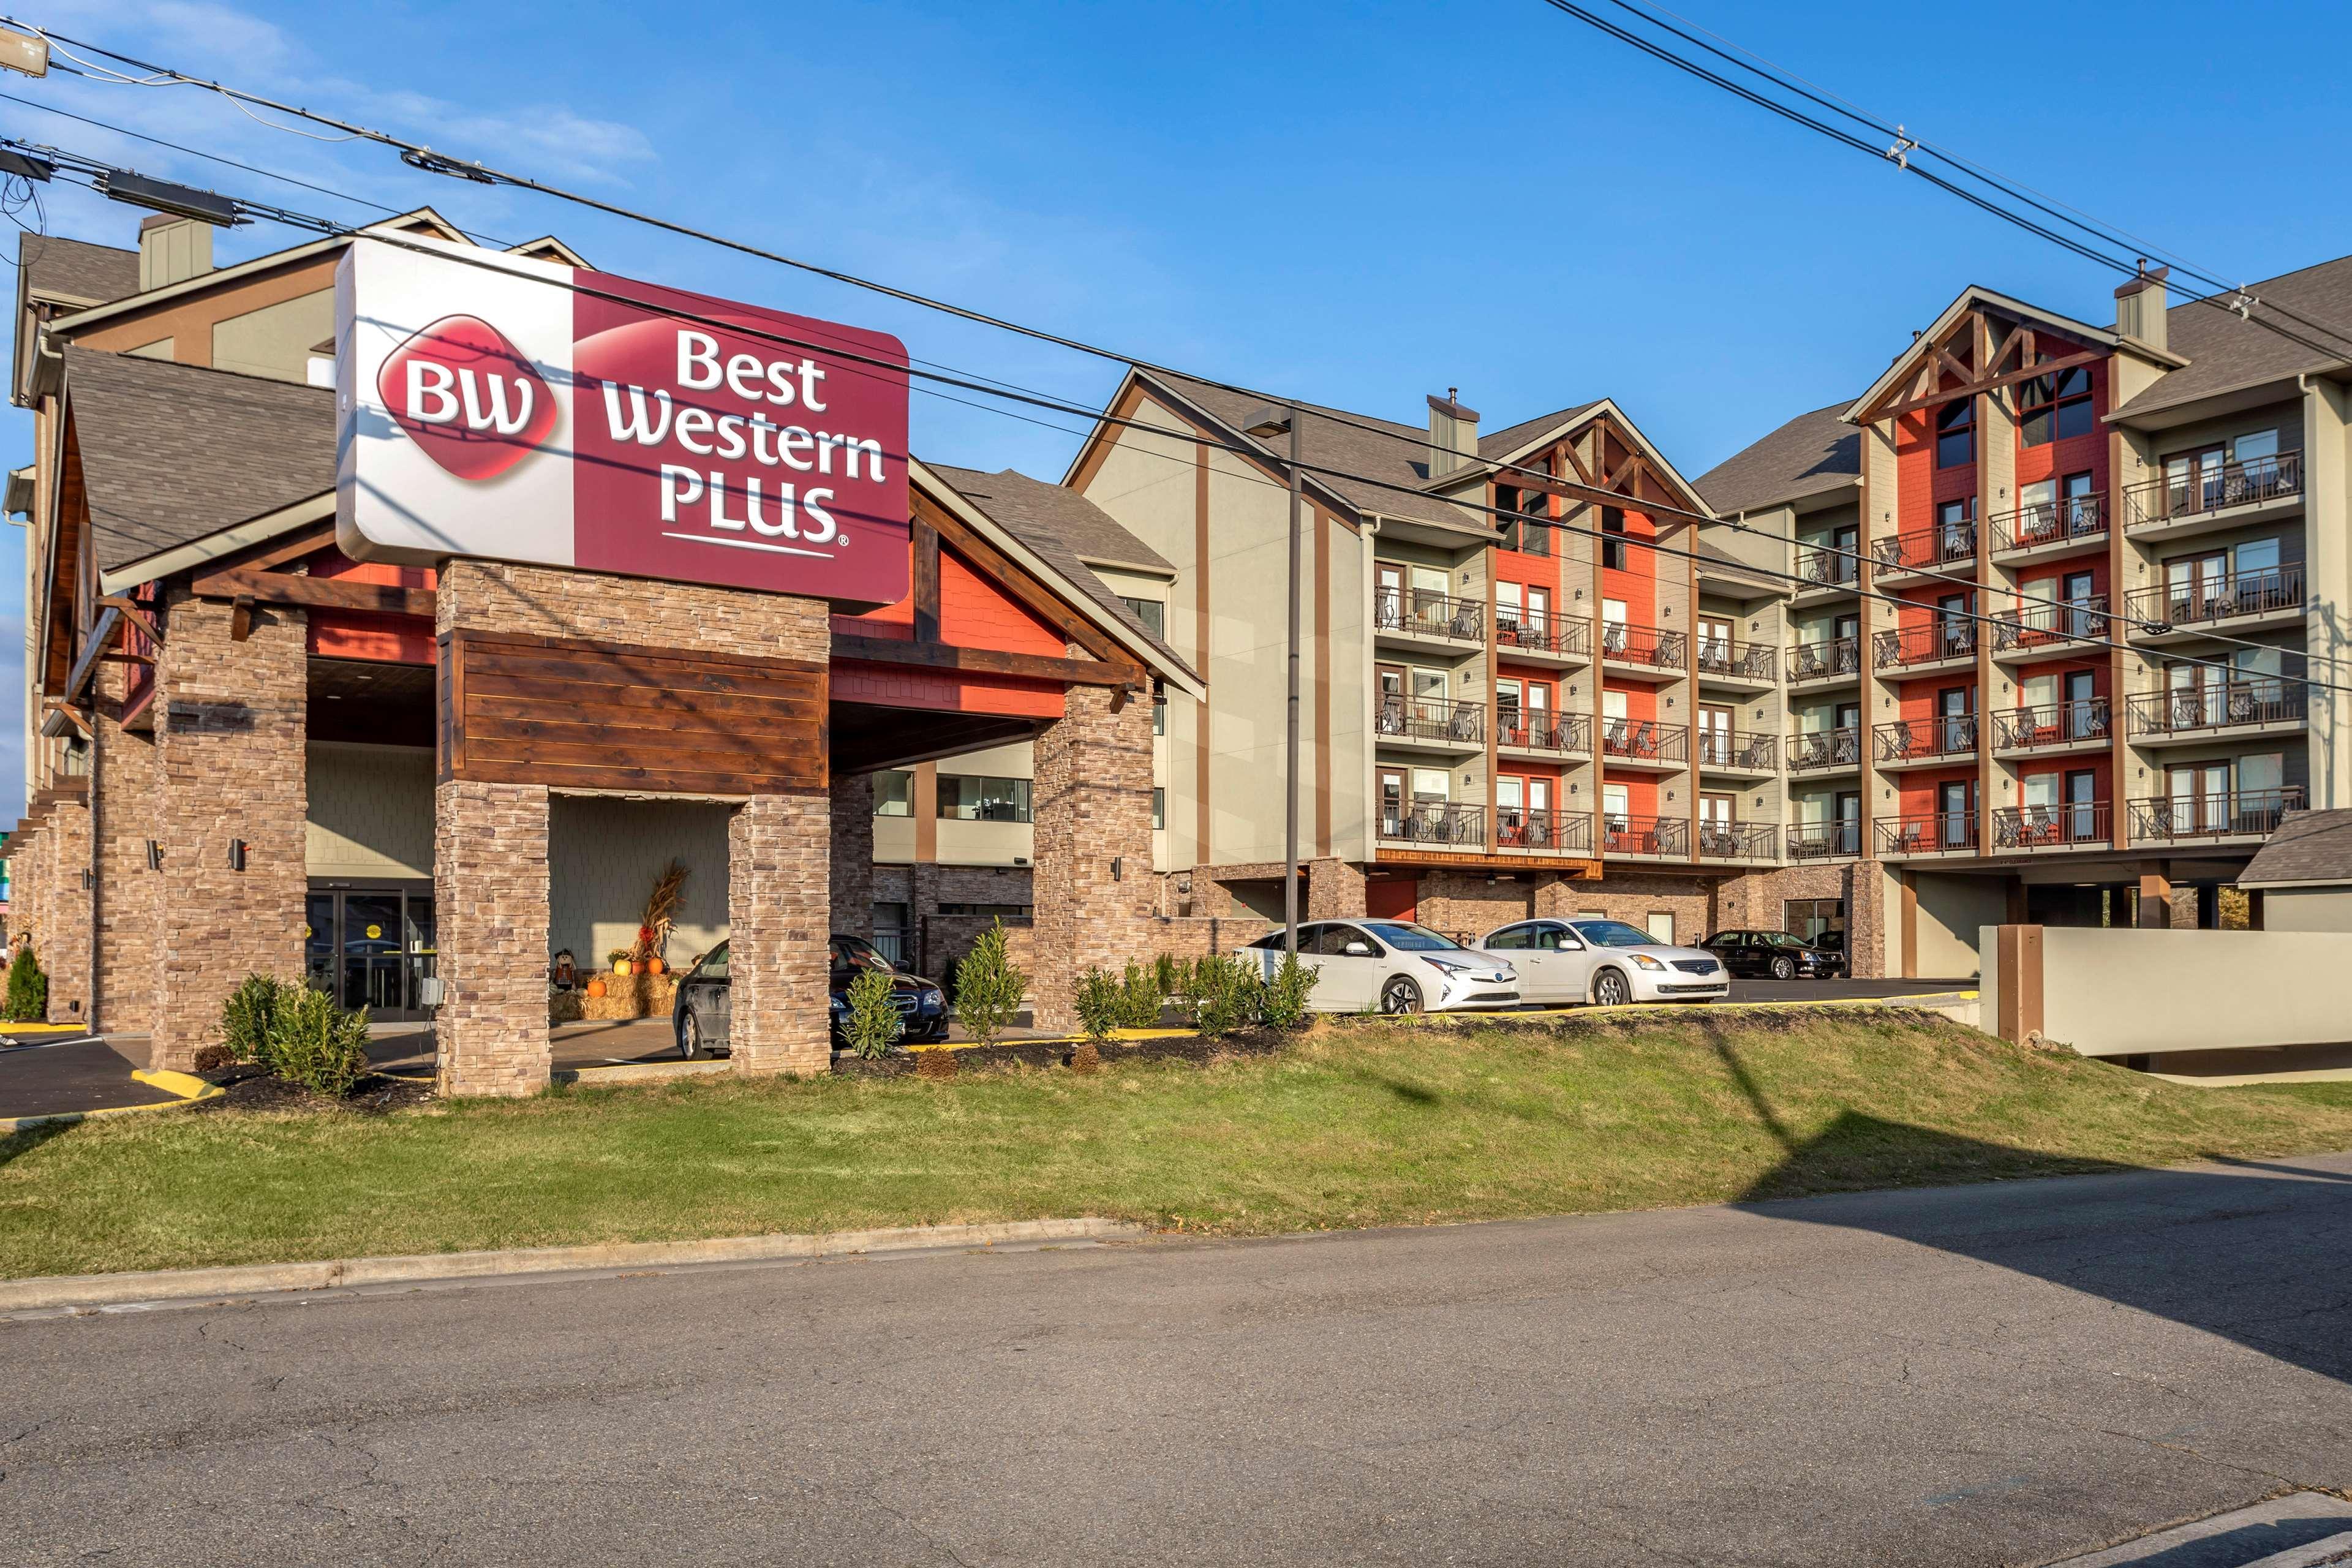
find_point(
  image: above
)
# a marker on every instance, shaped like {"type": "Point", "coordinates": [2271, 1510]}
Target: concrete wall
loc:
{"type": "Point", "coordinates": [2307, 909]}
{"type": "Point", "coordinates": [370, 812]}
{"type": "Point", "coordinates": [2125, 992]}
{"type": "Point", "coordinates": [603, 857]}
{"type": "Point", "coordinates": [1950, 910]}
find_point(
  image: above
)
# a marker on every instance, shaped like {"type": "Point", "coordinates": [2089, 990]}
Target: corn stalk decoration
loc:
{"type": "Point", "coordinates": [661, 913]}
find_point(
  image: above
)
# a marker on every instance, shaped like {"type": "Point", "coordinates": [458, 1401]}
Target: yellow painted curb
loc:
{"type": "Point", "coordinates": [187, 1086]}
{"type": "Point", "coordinates": [191, 1090]}
{"type": "Point", "coordinates": [1059, 1039]}
{"type": "Point", "coordinates": [7, 1030]}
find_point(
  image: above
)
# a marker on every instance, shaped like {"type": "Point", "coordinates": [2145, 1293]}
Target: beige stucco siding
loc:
{"type": "Point", "coordinates": [370, 812]}
{"type": "Point", "coordinates": [604, 856]}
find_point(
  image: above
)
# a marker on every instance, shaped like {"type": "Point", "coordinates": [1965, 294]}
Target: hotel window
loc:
{"type": "Point", "coordinates": [1151, 613]}
{"type": "Point", "coordinates": [894, 793]}
{"type": "Point", "coordinates": [1956, 434]}
{"type": "Point", "coordinates": [2055, 408]}
{"type": "Point", "coordinates": [964, 797]}
{"type": "Point", "coordinates": [1159, 808]}
{"type": "Point", "coordinates": [1612, 550]}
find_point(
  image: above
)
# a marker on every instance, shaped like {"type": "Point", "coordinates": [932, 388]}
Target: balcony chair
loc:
{"type": "Point", "coordinates": [1644, 742]}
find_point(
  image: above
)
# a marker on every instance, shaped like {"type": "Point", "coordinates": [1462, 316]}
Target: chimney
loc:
{"type": "Point", "coordinates": [2139, 306]}
{"type": "Point", "coordinates": [1452, 432]}
{"type": "Point", "coordinates": [173, 250]}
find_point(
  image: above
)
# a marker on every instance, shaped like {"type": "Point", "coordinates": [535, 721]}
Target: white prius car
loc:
{"type": "Point", "coordinates": [1391, 966]}
{"type": "Point", "coordinates": [1565, 962]}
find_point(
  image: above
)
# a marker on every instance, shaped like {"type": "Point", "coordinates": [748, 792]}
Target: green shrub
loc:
{"type": "Point", "coordinates": [988, 989]}
{"type": "Point", "coordinates": [1140, 995]}
{"type": "Point", "coordinates": [1099, 1001]}
{"type": "Point", "coordinates": [1168, 975]}
{"type": "Point", "coordinates": [872, 1022]}
{"type": "Point", "coordinates": [1226, 994]}
{"type": "Point", "coordinates": [1284, 1004]}
{"type": "Point", "coordinates": [28, 988]}
{"type": "Point", "coordinates": [316, 1044]}
{"type": "Point", "coordinates": [248, 1016]}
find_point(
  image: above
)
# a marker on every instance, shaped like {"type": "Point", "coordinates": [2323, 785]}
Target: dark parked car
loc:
{"type": "Point", "coordinates": [1776, 955]}
{"type": "Point", "coordinates": [705, 1000]}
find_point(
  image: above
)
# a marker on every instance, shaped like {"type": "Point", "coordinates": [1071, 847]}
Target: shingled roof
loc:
{"type": "Point", "coordinates": [1811, 454]}
{"type": "Point", "coordinates": [171, 453]}
{"type": "Point", "coordinates": [2225, 352]}
{"type": "Point", "coordinates": [2308, 846]}
{"type": "Point", "coordinates": [75, 271]}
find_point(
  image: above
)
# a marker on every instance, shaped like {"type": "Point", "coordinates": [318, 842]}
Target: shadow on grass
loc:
{"type": "Point", "coordinates": [17, 1145]}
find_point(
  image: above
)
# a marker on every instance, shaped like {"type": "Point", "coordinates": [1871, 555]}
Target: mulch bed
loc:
{"type": "Point", "coordinates": [1195, 1048]}
{"type": "Point", "coordinates": [250, 1089]}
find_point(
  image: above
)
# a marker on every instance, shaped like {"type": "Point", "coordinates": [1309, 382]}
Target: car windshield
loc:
{"type": "Point", "coordinates": [1614, 933]}
{"type": "Point", "coordinates": [1412, 939]}
{"type": "Point", "coordinates": [849, 953]}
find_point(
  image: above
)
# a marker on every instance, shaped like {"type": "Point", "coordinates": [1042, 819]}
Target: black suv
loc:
{"type": "Point", "coordinates": [705, 1000]}
{"type": "Point", "coordinates": [1775, 954]}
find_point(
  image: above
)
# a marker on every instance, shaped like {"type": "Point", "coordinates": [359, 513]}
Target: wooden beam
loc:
{"type": "Point", "coordinates": [319, 593]}
{"type": "Point", "coordinates": [240, 617]}
{"type": "Point", "coordinates": [136, 616]}
{"type": "Point", "coordinates": [1953, 394]}
{"type": "Point", "coordinates": [988, 661]}
{"type": "Point", "coordinates": [925, 584]}
{"type": "Point", "coordinates": [308, 542]}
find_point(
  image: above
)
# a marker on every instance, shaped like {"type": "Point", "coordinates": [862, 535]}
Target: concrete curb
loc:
{"type": "Point", "coordinates": [191, 1090]}
{"type": "Point", "coordinates": [178, 1284]}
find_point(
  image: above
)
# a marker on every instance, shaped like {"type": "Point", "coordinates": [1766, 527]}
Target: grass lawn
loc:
{"type": "Point", "coordinates": [1360, 1124]}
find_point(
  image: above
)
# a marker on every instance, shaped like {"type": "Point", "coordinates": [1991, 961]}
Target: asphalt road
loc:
{"type": "Point", "coordinates": [1986, 1374]}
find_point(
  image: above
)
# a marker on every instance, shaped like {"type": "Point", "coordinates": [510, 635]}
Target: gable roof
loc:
{"type": "Point", "coordinates": [1505, 442]}
{"type": "Point", "coordinates": [1973, 297]}
{"type": "Point", "coordinates": [1811, 454]}
{"type": "Point", "coordinates": [2307, 848]}
{"type": "Point", "coordinates": [75, 271]}
{"type": "Point", "coordinates": [2227, 354]}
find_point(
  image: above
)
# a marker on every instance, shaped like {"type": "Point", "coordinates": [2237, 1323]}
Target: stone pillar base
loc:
{"type": "Point", "coordinates": [779, 900]}
{"type": "Point", "coordinates": [1335, 891]}
{"type": "Point", "coordinates": [490, 911]}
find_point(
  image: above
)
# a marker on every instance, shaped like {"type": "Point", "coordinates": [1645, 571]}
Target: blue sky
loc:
{"type": "Point", "coordinates": [1355, 203]}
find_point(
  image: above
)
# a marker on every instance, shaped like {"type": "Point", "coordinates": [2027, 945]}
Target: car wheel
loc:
{"type": "Point", "coordinates": [1399, 995]}
{"type": "Point", "coordinates": [1783, 967]}
{"type": "Point", "coordinates": [1609, 989]}
{"type": "Point", "coordinates": [690, 1035]}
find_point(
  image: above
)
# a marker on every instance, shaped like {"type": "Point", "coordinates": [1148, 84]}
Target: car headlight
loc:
{"type": "Point", "coordinates": [1450, 965]}
{"type": "Point", "coordinates": [932, 1001]}
{"type": "Point", "coordinates": [1644, 960]}
{"type": "Point", "coordinates": [839, 1006]}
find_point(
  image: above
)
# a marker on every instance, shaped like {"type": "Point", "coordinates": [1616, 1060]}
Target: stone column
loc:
{"type": "Point", "coordinates": [853, 855]}
{"type": "Point", "coordinates": [778, 914]}
{"type": "Point", "coordinates": [63, 944]}
{"type": "Point", "coordinates": [230, 721]}
{"type": "Point", "coordinates": [490, 913]}
{"type": "Point", "coordinates": [1091, 802]}
{"type": "Point", "coordinates": [1335, 890]}
{"type": "Point", "coordinates": [123, 771]}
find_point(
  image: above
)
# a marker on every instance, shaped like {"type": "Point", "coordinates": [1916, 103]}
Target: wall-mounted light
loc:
{"type": "Point", "coordinates": [89, 879]}
{"type": "Point", "coordinates": [1117, 867]}
{"type": "Point", "coordinates": [236, 854]}
{"type": "Point", "coordinates": [155, 856]}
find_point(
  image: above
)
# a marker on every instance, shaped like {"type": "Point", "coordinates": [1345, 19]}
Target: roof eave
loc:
{"type": "Point", "coordinates": [237, 536]}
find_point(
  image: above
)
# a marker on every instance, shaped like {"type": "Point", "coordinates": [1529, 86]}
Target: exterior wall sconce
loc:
{"type": "Point", "coordinates": [1117, 866]}
{"type": "Point", "coordinates": [89, 879]}
{"type": "Point", "coordinates": [155, 856]}
{"type": "Point", "coordinates": [236, 854]}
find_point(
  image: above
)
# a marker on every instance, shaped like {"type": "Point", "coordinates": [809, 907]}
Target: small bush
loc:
{"type": "Point", "coordinates": [1226, 994]}
{"type": "Point", "coordinates": [988, 989]}
{"type": "Point", "coordinates": [1140, 995]}
{"type": "Point", "coordinates": [1283, 1005]}
{"type": "Point", "coordinates": [28, 988]}
{"type": "Point", "coordinates": [872, 1022]}
{"type": "Point", "coordinates": [249, 1016]}
{"type": "Point", "coordinates": [1100, 1003]}
{"type": "Point", "coordinates": [1168, 975]}
{"type": "Point", "coordinates": [211, 1059]}
{"type": "Point", "coordinates": [316, 1044]}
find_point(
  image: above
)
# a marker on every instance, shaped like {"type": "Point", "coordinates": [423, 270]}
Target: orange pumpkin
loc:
{"type": "Point", "coordinates": [596, 987]}
{"type": "Point", "coordinates": [654, 966]}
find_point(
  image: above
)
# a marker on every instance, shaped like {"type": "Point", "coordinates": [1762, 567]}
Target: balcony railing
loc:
{"type": "Point", "coordinates": [2213, 487]}
{"type": "Point", "coordinates": [1824, 841]}
{"type": "Point", "coordinates": [1436, 822]}
{"type": "Point", "coordinates": [2047, 523]}
{"type": "Point", "coordinates": [1831, 657]}
{"type": "Point", "coordinates": [1737, 749]}
{"type": "Point", "coordinates": [2219, 596]}
{"type": "Point", "coordinates": [1536, 731]}
{"type": "Point", "coordinates": [1931, 833]}
{"type": "Point", "coordinates": [1737, 660]}
{"type": "Point", "coordinates": [2051, 827]}
{"type": "Point", "coordinates": [1838, 748]}
{"type": "Point", "coordinates": [1828, 568]}
{"type": "Point", "coordinates": [1644, 741]}
{"type": "Point", "coordinates": [2052, 723]}
{"type": "Point", "coordinates": [1429, 615]}
{"type": "Point", "coordinates": [1737, 840]}
{"type": "Point", "coordinates": [1947, 637]}
{"type": "Point", "coordinates": [1429, 719]}
{"type": "Point", "coordinates": [1923, 549]}
{"type": "Point", "coordinates": [1643, 645]}
{"type": "Point", "coordinates": [1516, 830]}
{"type": "Point", "coordinates": [2229, 815]}
{"type": "Point", "coordinates": [2223, 705]}
{"type": "Point", "coordinates": [1543, 634]}
{"type": "Point", "coordinates": [1940, 735]}
{"type": "Point", "coordinates": [1661, 837]}
{"type": "Point", "coordinates": [2044, 625]}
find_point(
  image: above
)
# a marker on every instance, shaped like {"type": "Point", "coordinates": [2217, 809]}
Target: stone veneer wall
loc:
{"type": "Point", "coordinates": [62, 944]}
{"type": "Point", "coordinates": [779, 898]}
{"type": "Point", "coordinates": [853, 855]}
{"type": "Point", "coordinates": [491, 912]}
{"type": "Point", "coordinates": [126, 774]}
{"type": "Point", "coordinates": [1091, 799]}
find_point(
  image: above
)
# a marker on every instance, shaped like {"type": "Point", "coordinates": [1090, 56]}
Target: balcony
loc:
{"type": "Point", "coordinates": [1545, 832]}
{"type": "Point", "coordinates": [2036, 631]}
{"type": "Point", "coordinates": [1820, 567]}
{"type": "Point", "coordinates": [2081, 725]}
{"type": "Point", "coordinates": [2184, 609]}
{"type": "Point", "coordinates": [1532, 730]}
{"type": "Point", "coordinates": [1436, 823]}
{"type": "Point", "coordinates": [1835, 659]}
{"type": "Point", "coordinates": [1825, 841]}
{"type": "Point", "coordinates": [1429, 723]}
{"type": "Point", "coordinates": [1746, 841]}
{"type": "Point", "coordinates": [1944, 643]}
{"type": "Point", "coordinates": [1826, 751]}
{"type": "Point", "coordinates": [1545, 639]}
{"type": "Point", "coordinates": [1723, 662]}
{"type": "Point", "coordinates": [1643, 652]}
{"type": "Point", "coordinates": [2199, 713]}
{"type": "Point", "coordinates": [2214, 495]}
{"type": "Point", "coordinates": [1737, 752]}
{"type": "Point", "coordinates": [1925, 549]}
{"type": "Point", "coordinates": [1646, 837]}
{"type": "Point", "coordinates": [2238, 814]}
{"type": "Point", "coordinates": [1429, 617]}
{"type": "Point", "coordinates": [1924, 742]}
{"type": "Point", "coordinates": [2051, 529]}
{"type": "Point", "coordinates": [2078, 825]}
{"type": "Point", "coordinates": [1931, 833]}
{"type": "Point", "coordinates": [1644, 744]}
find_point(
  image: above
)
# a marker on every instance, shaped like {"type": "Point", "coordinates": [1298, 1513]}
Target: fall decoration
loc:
{"type": "Point", "coordinates": [596, 987]}
{"type": "Point", "coordinates": [660, 916]}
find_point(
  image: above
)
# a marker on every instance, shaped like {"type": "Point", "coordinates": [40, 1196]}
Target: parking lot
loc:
{"type": "Point", "coordinates": [1841, 990]}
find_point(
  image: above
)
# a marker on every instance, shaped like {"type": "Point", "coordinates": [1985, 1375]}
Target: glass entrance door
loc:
{"type": "Point", "coordinates": [371, 947]}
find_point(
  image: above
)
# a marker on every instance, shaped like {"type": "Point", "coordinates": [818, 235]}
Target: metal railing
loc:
{"type": "Point", "coordinates": [2047, 523]}
{"type": "Point", "coordinates": [1924, 548]}
{"type": "Point", "coordinates": [1824, 841]}
{"type": "Point", "coordinates": [1828, 657]}
{"type": "Point", "coordinates": [2222, 705]}
{"type": "Point", "coordinates": [1516, 830]}
{"type": "Point", "coordinates": [1429, 615]}
{"type": "Point", "coordinates": [1838, 748]}
{"type": "Point", "coordinates": [1429, 719]}
{"type": "Point", "coordinates": [2041, 626]}
{"type": "Point", "coordinates": [1543, 634]}
{"type": "Point", "coordinates": [1661, 837]}
{"type": "Point", "coordinates": [1537, 730]}
{"type": "Point", "coordinates": [1737, 749]}
{"type": "Point", "coordinates": [1643, 645]}
{"type": "Point", "coordinates": [1737, 840]}
{"type": "Point", "coordinates": [2228, 815]}
{"type": "Point", "coordinates": [1944, 637]}
{"type": "Point", "coordinates": [1828, 567]}
{"type": "Point", "coordinates": [2215, 485]}
{"type": "Point", "coordinates": [2219, 597]}
{"type": "Point", "coordinates": [2051, 827]}
{"type": "Point", "coordinates": [1736, 660]}
{"type": "Point", "coordinates": [1436, 822]}
{"type": "Point", "coordinates": [2051, 723]}
{"type": "Point", "coordinates": [1644, 741]}
{"type": "Point", "coordinates": [1929, 833]}
{"type": "Point", "coordinates": [1938, 735]}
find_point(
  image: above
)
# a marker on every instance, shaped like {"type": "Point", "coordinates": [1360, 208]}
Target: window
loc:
{"type": "Point", "coordinates": [1616, 805]}
{"type": "Point", "coordinates": [1150, 612]}
{"type": "Point", "coordinates": [1523, 531]}
{"type": "Point", "coordinates": [1956, 434]}
{"type": "Point", "coordinates": [894, 793]}
{"type": "Point", "coordinates": [2055, 408]}
{"type": "Point", "coordinates": [1506, 610]}
{"type": "Point", "coordinates": [1160, 713]}
{"type": "Point", "coordinates": [1429, 784]}
{"type": "Point", "coordinates": [967, 798]}
{"type": "Point", "coordinates": [1159, 808]}
{"type": "Point", "coordinates": [1809, 920]}
{"type": "Point", "coordinates": [1613, 548]}
{"type": "Point", "coordinates": [1661, 927]}
{"type": "Point", "coordinates": [1515, 939]}
{"type": "Point", "coordinates": [2256, 446]}
{"type": "Point", "coordinates": [992, 911]}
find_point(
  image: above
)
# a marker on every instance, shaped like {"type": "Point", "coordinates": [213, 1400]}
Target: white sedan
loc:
{"type": "Point", "coordinates": [1391, 966]}
{"type": "Point", "coordinates": [1562, 962]}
